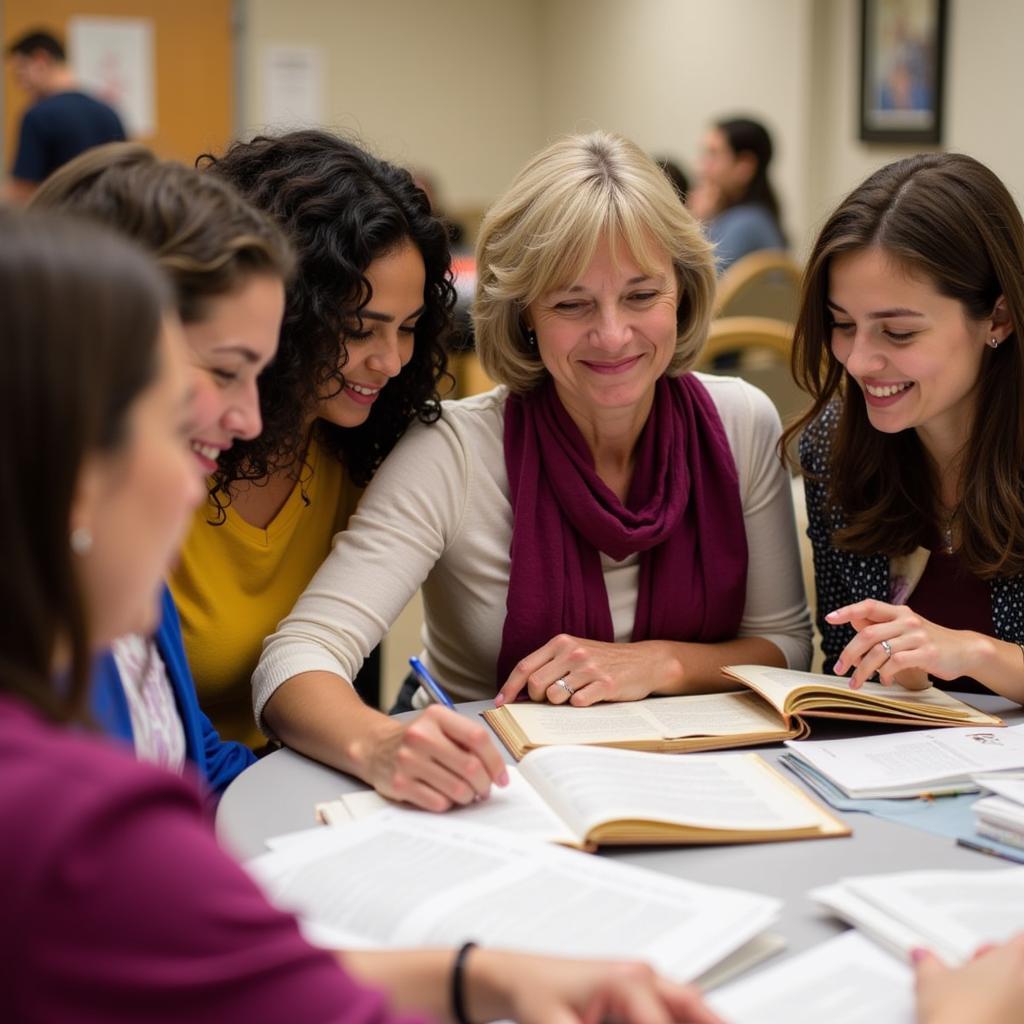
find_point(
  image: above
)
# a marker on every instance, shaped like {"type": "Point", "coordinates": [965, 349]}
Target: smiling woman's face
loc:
{"type": "Point", "coordinates": [378, 352]}
{"type": "Point", "coordinates": [229, 348]}
{"type": "Point", "coordinates": [608, 336]}
{"type": "Point", "coordinates": [914, 353]}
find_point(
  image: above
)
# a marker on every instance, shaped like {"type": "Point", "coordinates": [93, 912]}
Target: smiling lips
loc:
{"type": "Point", "coordinates": [361, 393]}
{"type": "Point", "coordinates": [618, 366]}
{"type": "Point", "coordinates": [885, 394]}
{"type": "Point", "coordinates": [207, 454]}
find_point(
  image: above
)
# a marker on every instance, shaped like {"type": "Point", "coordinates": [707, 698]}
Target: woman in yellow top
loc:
{"type": "Point", "coordinates": [369, 305]}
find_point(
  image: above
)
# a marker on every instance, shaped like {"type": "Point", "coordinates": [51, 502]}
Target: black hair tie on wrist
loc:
{"type": "Point", "coordinates": [458, 983]}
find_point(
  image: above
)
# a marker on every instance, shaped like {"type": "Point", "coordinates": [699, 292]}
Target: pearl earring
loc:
{"type": "Point", "coordinates": [531, 338]}
{"type": "Point", "coordinates": [993, 343]}
{"type": "Point", "coordinates": [81, 541]}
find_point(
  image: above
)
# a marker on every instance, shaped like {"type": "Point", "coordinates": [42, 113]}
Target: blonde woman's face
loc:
{"type": "Point", "coordinates": [607, 337]}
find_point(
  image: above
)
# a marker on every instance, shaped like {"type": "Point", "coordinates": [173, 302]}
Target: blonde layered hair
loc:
{"type": "Point", "coordinates": [541, 235]}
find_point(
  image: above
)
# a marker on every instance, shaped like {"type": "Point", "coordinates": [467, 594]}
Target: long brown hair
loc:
{"type": "Point", "coordinates": [948, 218]}
{"type": "Point", "coordinates": [81, 312]}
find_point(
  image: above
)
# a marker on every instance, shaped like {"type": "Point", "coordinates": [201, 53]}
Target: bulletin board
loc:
{"type": "Point", "coordinates": [193, 77]}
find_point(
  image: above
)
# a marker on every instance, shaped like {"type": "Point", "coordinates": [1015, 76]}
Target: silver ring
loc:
{"type": "Point", "coordinates": [887, 647]}
{"type": "Point", "coordinates": [565, 686]}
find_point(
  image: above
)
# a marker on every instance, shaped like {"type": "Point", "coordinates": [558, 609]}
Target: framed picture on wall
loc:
{"type": "Point", "coordinates": [903, 50]}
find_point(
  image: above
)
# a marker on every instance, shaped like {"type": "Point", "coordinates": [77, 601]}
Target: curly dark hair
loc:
{"type": "Point", "coordinates": [342, 208]}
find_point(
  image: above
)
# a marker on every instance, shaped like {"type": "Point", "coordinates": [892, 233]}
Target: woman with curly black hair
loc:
{"type": "Point", "coordinates": [360, 356]}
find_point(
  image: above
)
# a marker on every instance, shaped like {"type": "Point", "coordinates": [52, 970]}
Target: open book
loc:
{"type": "Point", "coordinates": [392, 880]}
{"type": "Point", "coordinates": [771, 710]}
{"type": "Point", "coordinates": [950, 912]}
{"type": "Point", "coordinates": [589, 796]}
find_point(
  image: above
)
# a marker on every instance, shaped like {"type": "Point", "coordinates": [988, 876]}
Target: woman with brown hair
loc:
{"type": "Point", "coordinates": [908, 341]}
{"type": "Point", "coordinates": [227, 263]}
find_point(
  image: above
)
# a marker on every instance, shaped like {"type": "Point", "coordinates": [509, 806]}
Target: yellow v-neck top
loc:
{"type": "Point", "coordinates": [235, 582]}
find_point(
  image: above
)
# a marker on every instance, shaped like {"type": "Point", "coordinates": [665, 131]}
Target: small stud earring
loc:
{"type": "Point", "coordinates": [81, 541]}
{"type": "Point", "coordinates": [993, 343]}
{"type": "Point", "coordinates": [531, 339]}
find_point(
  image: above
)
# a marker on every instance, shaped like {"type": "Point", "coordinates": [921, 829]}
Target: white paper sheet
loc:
{"type": "Point", "coordinates": [846, 980]}
{"type": "Point", "coordinates": [908, 763]}
{"type": "Point", "coordinates": [429, 881]}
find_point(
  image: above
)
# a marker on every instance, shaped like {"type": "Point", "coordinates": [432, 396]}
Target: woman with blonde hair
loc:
{"type": "Point", "coordinates": [604, 525]}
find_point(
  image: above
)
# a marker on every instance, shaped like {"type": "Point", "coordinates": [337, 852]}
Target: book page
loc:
{"type": "Point", "coordinates": [517, 807]}
{"type": "Point", "coordinates": [400, 881]}
{"type": "Point", "coordinates": [711, 714]}
{"type": "Point", "coordinates": [779, 685]}
{"type": "Point", "coordinates": [913, 761]}
{"type": "Point", "coordinates": [1009, 788]}
{"type": "Point", "coordinates": [847, 980]}
{"type": "Point", "coordinates": [600, 723]}
{"type": "Point", "coordinates": [656, 718]}
{"type": "Point", "coordinates": [952, 910]}
{"type": "Point", "coordinates": [893, 936]}
{"type": "Point", "coordinates": [592, 785]}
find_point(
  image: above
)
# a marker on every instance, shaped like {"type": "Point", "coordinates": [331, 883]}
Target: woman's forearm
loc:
{"type": "Point", "coordinates": [997, 664]}
{"type": "Point", "coordinates": [321, 715]}
{"type": "Point", "coordinates": [696, 668]}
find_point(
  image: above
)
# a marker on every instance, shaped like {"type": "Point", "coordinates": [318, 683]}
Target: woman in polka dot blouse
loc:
{"type": "Point", "coordinates": [913, 449]}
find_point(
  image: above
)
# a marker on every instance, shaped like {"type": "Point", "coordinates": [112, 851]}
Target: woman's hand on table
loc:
{"type": "Point", "coordinates": [583, 672]}
{"type": "Point", "coordinates": [988, 990]}
{"type": "Point", "coordinates": [550, 990]}
{"type": "Point", "coordinates": [919, 648]}
{"type": "Point", "coordinates": [436, 761]}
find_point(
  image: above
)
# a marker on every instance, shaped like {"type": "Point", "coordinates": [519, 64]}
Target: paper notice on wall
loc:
{"type": "Point", "coordinates": [114, 60]}
{"type": "Point", "coordinates": [293, 86]}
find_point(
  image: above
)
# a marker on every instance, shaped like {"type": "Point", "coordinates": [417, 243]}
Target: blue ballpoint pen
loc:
{"type": "Point", "coordinates": [430, 684]}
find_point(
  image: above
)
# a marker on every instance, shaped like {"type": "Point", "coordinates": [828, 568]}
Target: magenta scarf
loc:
{"type": "Point", "coordinates": [683, 513]}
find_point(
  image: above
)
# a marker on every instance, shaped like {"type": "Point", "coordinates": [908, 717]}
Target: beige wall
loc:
{"type": "Point", "coordinates": [658, 70]}
{"type": "Point", "coordinates": [449, 85]}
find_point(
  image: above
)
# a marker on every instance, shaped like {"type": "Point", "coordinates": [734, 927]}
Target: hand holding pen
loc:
{"type": "Point", "coordinates": [436, 760]}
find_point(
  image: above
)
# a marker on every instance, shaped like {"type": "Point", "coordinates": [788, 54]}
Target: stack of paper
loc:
{"type": "Point", "coordinates": [949, 912]}
{"type": "Point", "coordinates": [392, 880]}
{"type": "Point", "coordinates": [911, 764]}
{"type": "Point", "coordinates": [1001, 817]}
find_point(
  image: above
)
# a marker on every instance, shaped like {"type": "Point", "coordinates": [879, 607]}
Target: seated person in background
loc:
{"type": "Point", "coordinates": [360, 355]}
{"type": "Point", "coordinates": [909, 341]}
{"type": "Point", "coordinates": [604, 526]}
{"type": "Point", "coordinates": [733, 195]}
{"type": "Point", "coordinates": [62, 120]}
{"type": "Point", "coordinates": [227, 263]}
{"type": "Point", "coordinates": [121, 907]}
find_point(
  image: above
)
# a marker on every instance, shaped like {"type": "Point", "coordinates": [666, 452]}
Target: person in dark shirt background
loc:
{"type": "Point", "coordinates": [62, 120]}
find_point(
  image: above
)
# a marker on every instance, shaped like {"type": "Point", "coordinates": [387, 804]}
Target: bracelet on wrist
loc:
{"type": "Point", "coordinates": [459, 983]}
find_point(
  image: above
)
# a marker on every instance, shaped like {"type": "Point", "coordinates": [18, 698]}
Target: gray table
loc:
{"type": "Point", "coordinates": [278, 793]}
